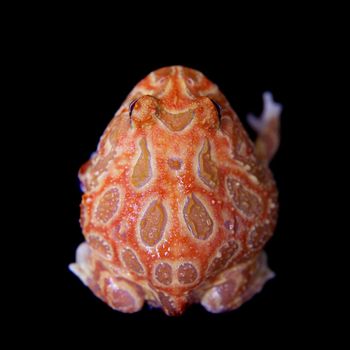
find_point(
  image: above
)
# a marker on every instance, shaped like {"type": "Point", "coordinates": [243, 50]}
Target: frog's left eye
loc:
{"type": "Point", "coordinates": [132, 106]}
{"type": "Point", "coordinates": [218, 107]}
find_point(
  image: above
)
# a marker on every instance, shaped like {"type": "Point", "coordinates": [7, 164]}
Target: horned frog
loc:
{"type": "Point", "coordinates": [178, 202]}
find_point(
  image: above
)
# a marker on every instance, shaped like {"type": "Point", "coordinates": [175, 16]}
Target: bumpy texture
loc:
{"type": "Point", "coordinates": [178, 202]}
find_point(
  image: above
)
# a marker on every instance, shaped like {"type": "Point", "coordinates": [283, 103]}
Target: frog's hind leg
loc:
{"type": "Point", "coordinates": [236, 285]}
{"type": "Point", "coordinates": [268, 128]}
{"type": "Point", "coordinates": [118, 292]}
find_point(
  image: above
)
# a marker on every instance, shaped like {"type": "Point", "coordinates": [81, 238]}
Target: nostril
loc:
{"type": "Point", "coordinates": [218, 107]}
{"type": "Point", "coordinates": [190, 81]}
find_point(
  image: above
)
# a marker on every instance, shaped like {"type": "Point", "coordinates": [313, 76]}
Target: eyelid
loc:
{"type": "Point", "coordinates": [218, 107]}
{"type": "Point", "coordinates": [132, 105]}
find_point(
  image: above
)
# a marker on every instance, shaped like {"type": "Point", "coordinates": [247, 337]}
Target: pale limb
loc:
{"type": "Point", "coordinates": [267, 126]}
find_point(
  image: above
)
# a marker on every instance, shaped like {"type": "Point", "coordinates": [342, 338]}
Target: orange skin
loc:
{"type": "Point", "coordinates": [178, 202]}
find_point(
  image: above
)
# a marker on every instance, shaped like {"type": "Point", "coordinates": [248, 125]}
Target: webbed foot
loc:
{"type": "Point", "coordinates": [235, 286]}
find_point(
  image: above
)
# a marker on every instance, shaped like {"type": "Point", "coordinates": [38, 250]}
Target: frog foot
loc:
{"type": "Point", "coordinates": [235, 286]}
{"type": "Point", "coordinates": [268, 128]}
{"type": "Point", "coordinates": [119, 293]}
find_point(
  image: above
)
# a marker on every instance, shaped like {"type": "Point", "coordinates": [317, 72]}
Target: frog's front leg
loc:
{"type": "Point", "coordinates": [268, 128]}
{"type": "Point", "coordinates": [118, 292]}
{"type": "Point", "coordinates": [237, 284]}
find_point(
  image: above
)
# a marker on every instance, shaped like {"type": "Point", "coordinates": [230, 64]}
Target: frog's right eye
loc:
{"type": "Point", "coordinates": [143, 110]}
{"type": "Point", "coordinates": [132, 105]}
{"type": "Point", "coordinates": [218, 107]}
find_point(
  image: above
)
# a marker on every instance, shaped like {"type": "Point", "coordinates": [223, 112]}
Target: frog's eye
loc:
{"type": "Point", "coordinates": [218, 107]}
{"type": "Point", "coordinates": [132, 105]}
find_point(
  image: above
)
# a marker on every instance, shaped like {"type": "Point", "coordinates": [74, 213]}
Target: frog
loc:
{"type": "Point", "coordinates": [178, 202]}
